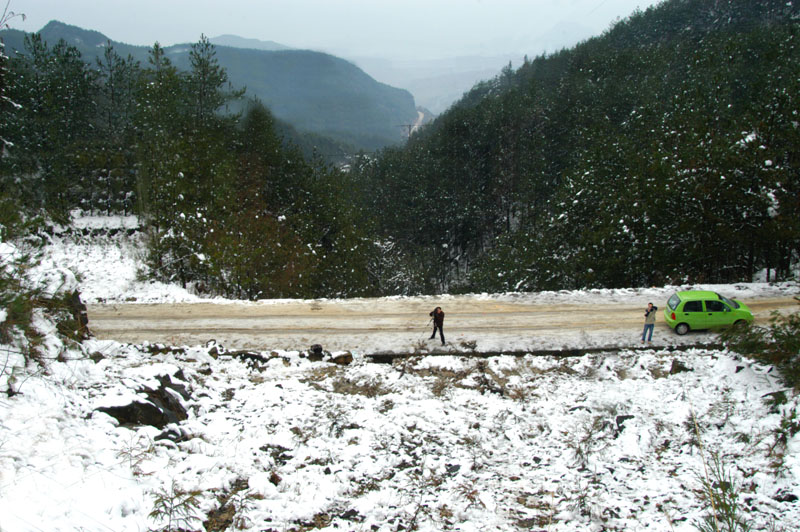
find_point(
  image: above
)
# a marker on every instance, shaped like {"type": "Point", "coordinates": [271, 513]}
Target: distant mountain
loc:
{"type": "Point", "coordinates": [234, 41]}
{"type": "Point", "coordinates": [436, 83]}
{"type": "Point", "coordinates": [74, 35]}
{"type": "Point", "coordinates": [312, 91]}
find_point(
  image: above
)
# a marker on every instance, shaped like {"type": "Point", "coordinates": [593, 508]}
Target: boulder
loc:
{"type": "Point", "coordinates": [162, 407]}
{"type": "Point", "coordinates": [345, 359]}
{"type": "Point", "coordinates": [315, 353]}
{"type": "Point", "coordinates": [172, 433]}
{"type": "Point", "coordinates": [621, 423]}
{"type": "Point", "coordinates": [678, 367]}
{"type": "Point", "coordinates": [784, 495]}
{"type": "Point", "coordinates": [137, 413]}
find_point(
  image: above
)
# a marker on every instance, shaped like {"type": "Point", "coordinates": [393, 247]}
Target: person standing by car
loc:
{"type": "Point", "coordinates": [438, 322]}
{"type": "Point", "coordinates": [649, 323]}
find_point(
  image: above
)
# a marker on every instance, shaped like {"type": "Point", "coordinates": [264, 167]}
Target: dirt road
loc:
{"type": "Point", "coordinates": [390, 325]}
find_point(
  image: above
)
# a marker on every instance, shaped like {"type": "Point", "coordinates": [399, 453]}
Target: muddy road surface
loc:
{"type": "Point", "coordinates": [393, 325]}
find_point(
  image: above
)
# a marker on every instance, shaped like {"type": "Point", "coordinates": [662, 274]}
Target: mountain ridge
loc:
{"type": "Point", "coordinates": [236, 41]}
{"type": "Point", "coordinates": [313, 91]}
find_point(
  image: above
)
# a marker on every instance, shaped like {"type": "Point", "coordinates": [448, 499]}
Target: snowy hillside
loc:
{"type": "Point", "coordinates": [274, 441]}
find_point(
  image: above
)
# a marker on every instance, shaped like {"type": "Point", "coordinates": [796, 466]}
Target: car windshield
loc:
{"type": "Point", "coordinates": [673, 301]}
{"type": "Point", "coordinates": [729, 302]}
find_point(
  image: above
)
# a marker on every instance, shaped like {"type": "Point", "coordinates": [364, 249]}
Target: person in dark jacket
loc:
{"type": "Point", "coordinates": [438, 323]}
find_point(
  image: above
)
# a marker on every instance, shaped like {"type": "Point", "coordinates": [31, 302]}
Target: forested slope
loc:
{"type": "Point", "coordinates": [225, 205]}
{"type": "Point", "coordinates": [666, 149]}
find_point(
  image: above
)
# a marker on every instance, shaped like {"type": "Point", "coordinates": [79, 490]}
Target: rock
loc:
{"type": "Point", "coordinates": [315, 353]}
{"type": "Point", "coordinates": [161, 349]}
{"type": "Point", "coordinates": [214, 350]}
{"type": "Point", "coordinates": [344, 359]}
{"type": "Point", "coordinates": [162, 407]}
{"type": "Point", "coordinates": [164, 398]}
{"type": "Point", "coordinates": [785, 495]}
{"type": "Point", "coordinates": [778, 397]}
{"type": "Point", "coordinates": [137, 413]}
{"type": "Point", "coordinates": [220, 518]}
{"type": "Point", "coordinates": [166, 382]}
{"type": "Point", "coordinates": [621, 422]}
{"type": "Point", "coordinates": [254, 360]}
{"type": "Point", "coordinates": [678, 367]}
{"type": "Point", "coordinates": [172, 433]}
{"type": "Point", "coordinates": [280, 455]}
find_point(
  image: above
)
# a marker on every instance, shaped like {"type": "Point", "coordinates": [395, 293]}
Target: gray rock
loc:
{"type": "Point", "coordinates": [162, 406]}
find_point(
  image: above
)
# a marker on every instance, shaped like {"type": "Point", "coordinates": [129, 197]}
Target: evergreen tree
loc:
{"type": "Point", "coordinates": [254, 249]}
{"type": "Point", "coordinates": [113, 156]}
{"type": "Point", "coordinates": [162, 191]}
{"type": "Point", "coordinates": [10, 198]}
{"type": "Point", "coordinates": [208, 84]}
{"type": "Point", "coordinates": [56, 92]}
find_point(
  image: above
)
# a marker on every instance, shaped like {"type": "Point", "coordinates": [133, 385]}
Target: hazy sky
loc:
{"type": "Point", "coordinates": [388, 28]}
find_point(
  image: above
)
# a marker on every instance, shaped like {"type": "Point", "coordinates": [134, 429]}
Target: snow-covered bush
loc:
{"type": "Point", "coordinates": [777, 344]}
{"type": "Point", "coordinates": [32, 304]}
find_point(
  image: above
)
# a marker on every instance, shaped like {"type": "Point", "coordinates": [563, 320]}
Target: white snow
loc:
{"type": "Point", "coordinates": [611, 441]}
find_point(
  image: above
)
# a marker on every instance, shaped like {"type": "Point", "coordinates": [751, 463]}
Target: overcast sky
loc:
{"type": "Point", "coordinates": [400, 29]}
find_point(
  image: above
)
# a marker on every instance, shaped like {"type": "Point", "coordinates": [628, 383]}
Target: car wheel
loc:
{"type": "Point", "coordinates": [740, 324]}
{"type": "Point", "coordinates": [682, 328]}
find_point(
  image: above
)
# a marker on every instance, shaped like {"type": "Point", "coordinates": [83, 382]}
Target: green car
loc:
{"type": "Point", "coordinates": [703, 309]}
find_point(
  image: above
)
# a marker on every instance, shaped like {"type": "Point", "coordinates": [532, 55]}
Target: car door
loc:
{"type": "Point", "coordinates": [717, 313]}
{"type": "Point", "coordinates": [692, 313]}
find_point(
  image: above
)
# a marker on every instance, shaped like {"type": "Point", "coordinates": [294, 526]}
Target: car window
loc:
{"type": "Point", "coordinates": [673, 301]}
{"type": "Point", "coordinates": [693, 306]}
{"type": "Point", "coordinates": [731, 303]}
{"type": "Point", "coordinates": [715, 306]}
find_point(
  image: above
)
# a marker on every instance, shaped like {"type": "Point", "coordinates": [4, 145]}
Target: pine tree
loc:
{"type": "Point", "coordinates": [56, 92]}
{"type": "Point", "coordinates": [113, 157]}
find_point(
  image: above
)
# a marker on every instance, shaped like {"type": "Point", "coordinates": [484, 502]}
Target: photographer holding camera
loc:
{"type": "Point", "coordinates": [649, 323]}
{"type": "Point", "coordinates": [438, 323]}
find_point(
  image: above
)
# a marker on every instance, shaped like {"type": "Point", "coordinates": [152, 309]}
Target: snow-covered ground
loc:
{"type": "Point", "coordinates": [609, 441]}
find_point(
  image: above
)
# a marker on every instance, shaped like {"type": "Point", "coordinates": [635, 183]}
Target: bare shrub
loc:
{"type": "Point", "coordinates": [468, 491]}
{"type": "Point", "coordinates": [175, 507]}
{"type": "Point", "coordinates": [543, 502]}
{"type": "Point", "coordinates": [442, 386]}
{"type": "Point", "coordinates": [347, 386]}
{"type": "Point", "coordinates": [720, 494]}
{"type": "Point", "coordinates": [589, 439]}
{"type": "Point", "coordinates": [474, 445]}
{"type": "Point", "coordinates": [469, 345]}
{"type": "Point", "coordinates": [136, 452]}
